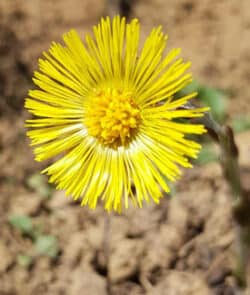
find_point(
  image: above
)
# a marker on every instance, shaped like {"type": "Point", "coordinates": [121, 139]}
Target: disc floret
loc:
{"type": "Point", "coordinates": [113, 117]}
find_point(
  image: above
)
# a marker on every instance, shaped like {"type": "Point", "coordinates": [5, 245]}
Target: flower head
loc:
{"type": "Point", "coordinates": [106, 111]}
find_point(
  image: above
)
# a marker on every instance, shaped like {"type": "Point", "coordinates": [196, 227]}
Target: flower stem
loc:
{"type": "Point", "coordinates": [240, 203]}
{"type": "Point", "coordinates": [106, 249]}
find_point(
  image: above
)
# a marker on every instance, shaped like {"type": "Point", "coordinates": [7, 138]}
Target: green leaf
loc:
{"type": "Point", "coordinates": [39, 183]}
{"type": "Point", "coordinates": [194, 86]}
{"type": "Point", "coordinates": [241, 124]}
{"type": "Point", "coordinates": [24, 260]}
{"type": "Point", "coordinates": [209, 96]}
{"type": "Point", "coordinates": [47, 245]}
{"type": "Point", "coordinates": [22, 223]}
{"type": "Point", "coordinates": [35, 180]}
{"type": "Point", "coordinates": [206, 155]}
{"type": "Point", "coordinates": [215, 99]}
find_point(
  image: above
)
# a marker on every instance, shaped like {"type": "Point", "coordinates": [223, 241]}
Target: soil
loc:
{"type": "Point", "coordinates": [185, 245]}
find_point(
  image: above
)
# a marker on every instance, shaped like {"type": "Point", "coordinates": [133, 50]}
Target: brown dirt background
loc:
{"type": "Point", "coordinates": [182, 246]}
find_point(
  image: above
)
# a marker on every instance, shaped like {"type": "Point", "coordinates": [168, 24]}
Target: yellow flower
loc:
{"type": "Point", "coordinates": [108, 112]}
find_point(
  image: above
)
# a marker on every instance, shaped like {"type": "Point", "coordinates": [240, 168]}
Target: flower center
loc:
{"type": "Point", "coordinates": [112, 117]}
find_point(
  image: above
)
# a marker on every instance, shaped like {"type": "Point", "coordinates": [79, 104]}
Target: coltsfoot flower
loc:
{"type": "Point", "coordinates": [105, 111]}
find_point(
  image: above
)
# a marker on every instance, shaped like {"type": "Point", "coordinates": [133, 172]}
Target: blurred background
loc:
{"type": "Point", "coordinates": [50, 245]}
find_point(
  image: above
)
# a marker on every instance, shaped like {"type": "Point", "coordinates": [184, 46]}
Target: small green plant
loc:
{"type": "Point", "coordinates": [207, 155]}
{"type": "Point", "coordinates": [24, 260]}
{"type": "Point", "coordinates": [241, 124]}
{"type": "Point", "coordinates": [211, 97]}
{"type": "Point", "coordinates": [47, 245]}
{"type": "Point", "coordinates": [43, 244]}
{"type": "Point", "coordinates": [39, 183]}
{"type": "Point", "coordinates": [23, 223]}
